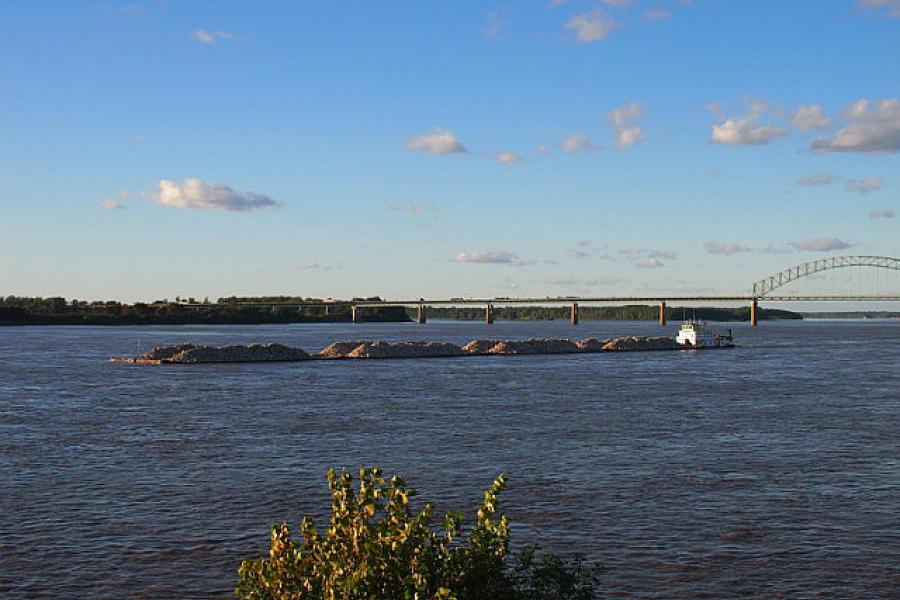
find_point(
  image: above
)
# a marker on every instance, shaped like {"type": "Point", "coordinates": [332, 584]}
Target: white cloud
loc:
{"type": "Point", "coordinates": [413, 208]}
{"type": "Point", "coordinates": [627, 132]}
{"type": "Point", "coordinates": [436, 143]}
{"type": "Point", "coordinates": [136, 138]}
{"type": "Point", "coordinates": [556, 3]}
{"type": "Point", "coordinates": [542, 149]}
{"type": "Point", "coordinates": [727, 248]}
{"type": "Point", "coordinates": [193, 193]}
{"type": "Point", "coordinates": [210, 37]}
{"type": "Point", "coordinates": [657, 14]}
{"type": "Point", "coordinates": [576, 253]}
{"type": "Point", "coordinates": [508, 158]}
{"type": "Point", "coordinates": [746, 130]}
{"type": "Point", "coordinates": [203, 36]}
{"type": "Point", "coordinates": [651, 262]}
{"type": "Point", "coordinates": [881, 214]}
{"type": "Point", "coordinates": [809, 117]}
{"type": "Point", "coordinates": [816, 180]}
{"type": "Point", "coordinates": [577, 142]}
{"type": "Point", "coordinates": [617, 3]}
{"type": "Point", "coordinates": [110, 204]}
{"type": "Point", "coordinates": [822, 245]}
{"type": "Point", "coordinates": [491, 257]}
{"type": "Point", "coordinates": [892, 7]}
{"type": "Point", "coordinates": [592, 26]}
{"type": "Point", "coordinates": [874, 127]}
{"type": "Point", "coordinates": [863, 186]}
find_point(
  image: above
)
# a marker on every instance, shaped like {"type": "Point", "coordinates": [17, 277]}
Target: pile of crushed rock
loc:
{"type": "Point", "coordinates": [191, 353]}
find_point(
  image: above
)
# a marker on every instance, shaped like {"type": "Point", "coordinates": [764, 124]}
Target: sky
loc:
{"type": "Point", "coordinates": [409, 149]}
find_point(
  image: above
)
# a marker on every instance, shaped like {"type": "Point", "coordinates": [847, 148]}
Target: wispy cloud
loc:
{"type": "Point", "coordinates": [657, 14]}
{"type": "Point", "coordinates": [413, 208]}
{"type": "Point", "coordinates": [725, 248]}
{"type": "Point", "coordinates": [891, 8]}
{"type": "Point", "coordinates": [810, 116]}
{"type": "Point", "coordinates": [617, 3]}
{"type": "Point", "coordinates": [816, 180]}
{"type": "Point", "coordinates": [746, 129]}
{"type": "Point", "coordinates": [205, 36]}
{"type": "Point", "coordinates": [651, 262]}
{"type": "Point", "coordinates": [508, 158]}
{"type": "Point", "coordinates": [863, 186]}
{"type": "Point", "coordinates": [874, 128]}
{"type": "Point", "coordinates": [591, 26]}
{"type": "Point", "coordinates": [576, 253]}
{"type": "Point", "coordinates": [542, 149]}
{"type": "Point", "coordinates": [194, 193]}
{"type": "Point", "coordinates": [496, 22]}
{"type": "Point", "coordinates": [308, 265]}
{"type": "Point", "coordinates": [627, 132]}
{"type": "Point", "coordinates": [577, 142]}
{"type": "Point", "coordinates": [110, 204]}
{"type": "Point", "coordinates": [132, 10]}
{"type": "Point", "coordinates": [881, 214]}
{"type": "Point", "coordinates": [436, 143]}
{"type": "Point", "coordinates": [136, 138]}
{"type": "Point", "coordinates": [822, 245]}
{"type": "Point", "coordinates": [491, 257]}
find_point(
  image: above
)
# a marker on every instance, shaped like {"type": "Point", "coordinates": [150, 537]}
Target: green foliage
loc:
{"type": "Point", "coordinates": [378, 546]}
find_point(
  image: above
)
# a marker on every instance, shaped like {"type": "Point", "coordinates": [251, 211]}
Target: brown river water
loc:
{"type": "Point", "coordinates": [768, 471]}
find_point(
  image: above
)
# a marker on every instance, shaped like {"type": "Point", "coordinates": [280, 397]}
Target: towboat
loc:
{"type": "Point", "coordinates": [693, 334]}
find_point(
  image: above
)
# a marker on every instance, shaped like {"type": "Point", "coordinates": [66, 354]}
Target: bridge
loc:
{"type": "Point", "coordinates": [763, 290]}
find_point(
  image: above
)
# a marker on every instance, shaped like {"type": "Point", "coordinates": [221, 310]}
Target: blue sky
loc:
{"type": "Point", "coordinates": [153, 149]}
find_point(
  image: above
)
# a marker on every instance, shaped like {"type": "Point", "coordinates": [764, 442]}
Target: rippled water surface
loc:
{"type": "Point", "coordinates": [767, 471]}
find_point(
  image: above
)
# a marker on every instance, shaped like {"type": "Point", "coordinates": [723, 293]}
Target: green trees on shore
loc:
{"type": "Point", "coordinates": [59, 311]}
{"type": "Point", "coordinates": [378, 546]}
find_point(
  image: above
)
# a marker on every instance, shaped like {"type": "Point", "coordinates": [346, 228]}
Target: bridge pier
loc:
{"type": "Point", "coordinates": [662, 314]}
{"type": "Point", "coordinates": [420, 314]}
{"type": "Point", "coordinates": [489, 314]}
{"type": "Point", "coordinates": [354, 314]}
{"type": "Point", "coordinates": [574, 316]}
{"type": "Point", "coordinates": [753, 307]}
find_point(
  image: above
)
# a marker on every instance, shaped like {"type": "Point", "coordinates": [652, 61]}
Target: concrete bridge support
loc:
{"type": "Point", "coordinates": [354, 313]}
{"type": "Point", "coordinates": [753, 306]}
{"type": "Point", "coordinates": [662, 314]}
{"type": "Point", "coordinates": [574, 313]}
{"type": "Point", "coordinates": [489, 314]}
{"type": "Point", "coordinates": [420, 314]}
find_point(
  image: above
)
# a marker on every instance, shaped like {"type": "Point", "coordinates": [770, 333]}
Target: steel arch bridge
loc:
{"type": "Point", "coordinates": [763, 287]}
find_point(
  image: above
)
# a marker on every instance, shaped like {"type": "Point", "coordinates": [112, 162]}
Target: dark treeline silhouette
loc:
{"type": "Point", "coordinates": [610, 313]}
{"type": "Point", "coordinates": [59, 311]}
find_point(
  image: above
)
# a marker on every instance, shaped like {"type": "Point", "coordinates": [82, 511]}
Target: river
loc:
{"type": "Point", "coordinates": [768, 471]}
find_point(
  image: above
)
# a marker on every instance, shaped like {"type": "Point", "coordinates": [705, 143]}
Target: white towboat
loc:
{"type": "Point", "coordinates": [693, 334]}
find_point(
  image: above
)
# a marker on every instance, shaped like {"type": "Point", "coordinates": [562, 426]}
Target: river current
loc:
{"type": "Point", "coordinates": [768, 471]}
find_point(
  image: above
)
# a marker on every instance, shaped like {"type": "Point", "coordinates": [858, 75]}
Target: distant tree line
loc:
{"type": "Point", "coordinates": [606, 313]}
{"type": "Point", "coordinates": [16, 310]}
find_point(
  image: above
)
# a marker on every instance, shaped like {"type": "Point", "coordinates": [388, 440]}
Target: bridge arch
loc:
{"type": "Point", "coordinates": [765, 286]}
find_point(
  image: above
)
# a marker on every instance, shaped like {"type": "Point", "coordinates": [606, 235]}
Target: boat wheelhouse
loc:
{"type": "Point", "coordinates": [693, 334]}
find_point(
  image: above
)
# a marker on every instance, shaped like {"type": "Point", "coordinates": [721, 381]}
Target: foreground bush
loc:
{"type": "Point", "coordinates": [378, 547]}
